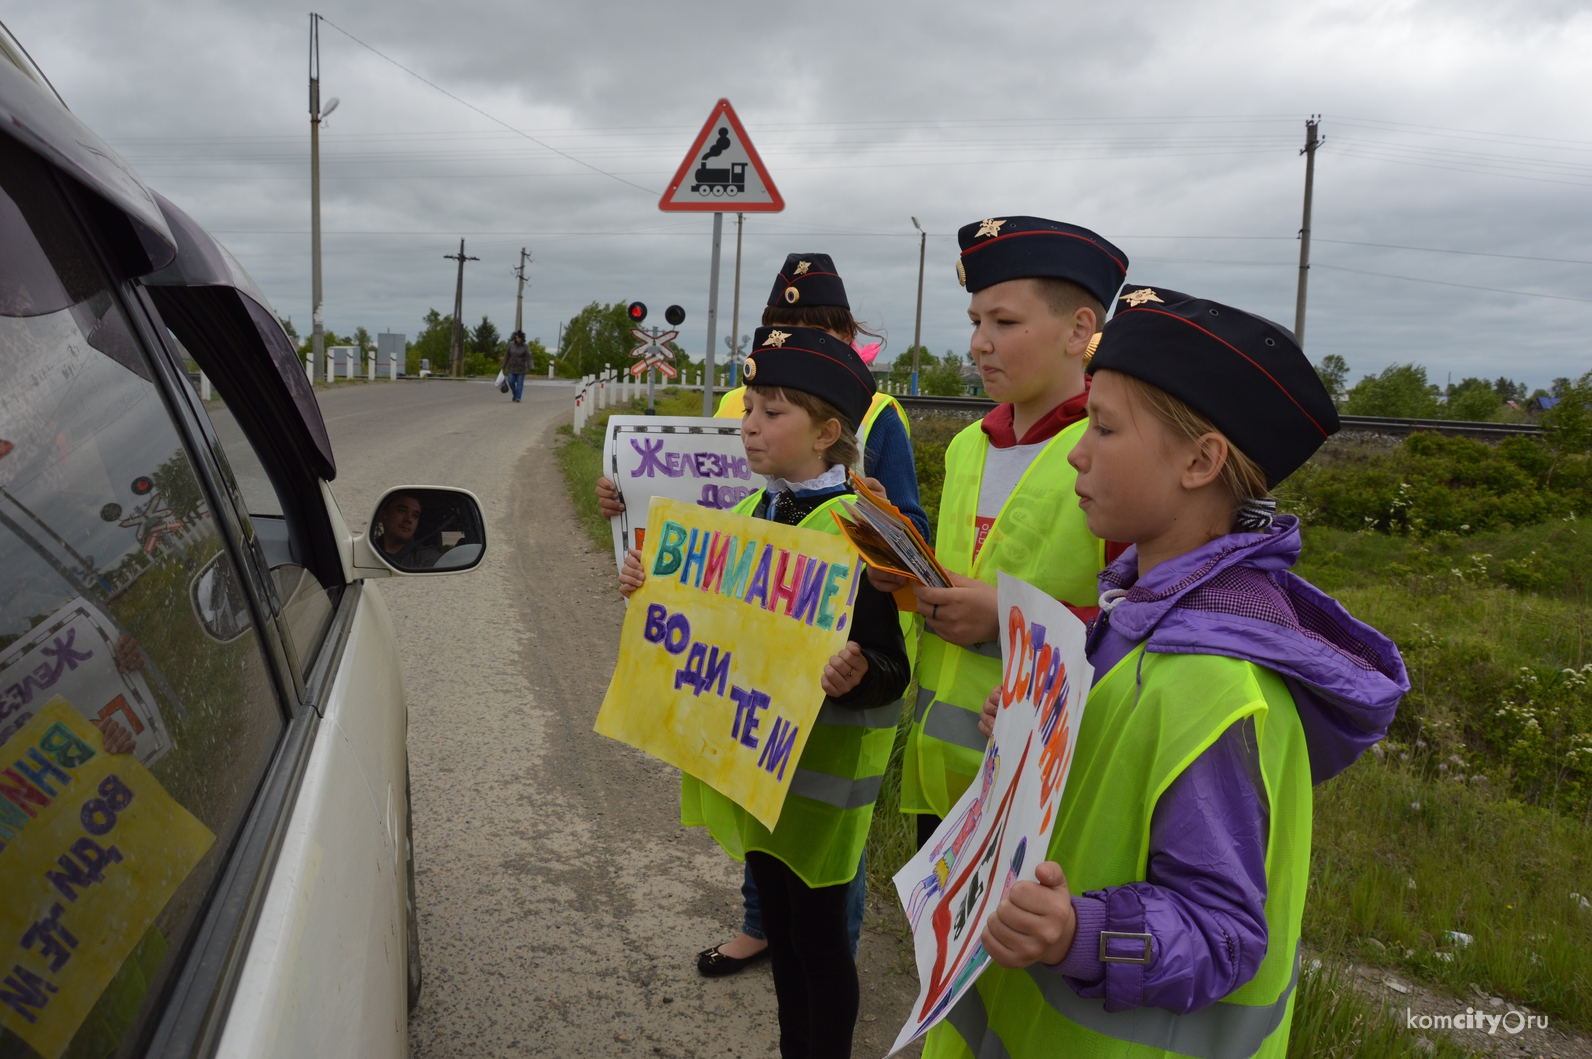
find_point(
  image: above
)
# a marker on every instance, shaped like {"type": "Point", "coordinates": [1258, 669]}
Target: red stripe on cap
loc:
{"type": "Point", "coordinates": [1047, 231]}
{"type": "Point", "coordinates": [1241, 353]}
{"type": "Point", "coordinates": [804, 275]}
{"type": "Point", "coordinates": [817, 353]}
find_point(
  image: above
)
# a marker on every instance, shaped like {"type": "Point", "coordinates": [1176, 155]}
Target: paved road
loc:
{"type": "Point", "coordinates": [561, 902]}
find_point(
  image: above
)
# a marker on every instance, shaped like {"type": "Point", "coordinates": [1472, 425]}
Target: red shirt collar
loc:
{"type": "Point", "coordinates": [998, 425]}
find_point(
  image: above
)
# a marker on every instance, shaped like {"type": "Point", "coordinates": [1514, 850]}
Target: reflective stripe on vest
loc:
{"type": "Point", "coordinates": [836, 790]}
{"type": "Point", "coordinates": [1040, 536]}
{"type": "Point", "coordinates": [887, 716]}
{"type": "Point", "coordinates": [1221, 1031]}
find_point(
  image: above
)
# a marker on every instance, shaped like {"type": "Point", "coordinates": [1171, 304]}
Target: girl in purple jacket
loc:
{"type": "Point", "coordinates": [1262, 684]}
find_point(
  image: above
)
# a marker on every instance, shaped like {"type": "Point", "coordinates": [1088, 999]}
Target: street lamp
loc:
{"type": "Point", "coordinates": [917, 327]}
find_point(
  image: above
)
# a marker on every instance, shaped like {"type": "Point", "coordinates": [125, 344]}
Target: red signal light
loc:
{"type": "Point", "coordinates": [637, 312]}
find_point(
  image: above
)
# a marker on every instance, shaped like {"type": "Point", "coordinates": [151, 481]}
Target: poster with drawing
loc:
{"type": "Point", "coordinates": [73, 653]}
{"type": "Point", "coordinates": [685, 458]}
{"type": "Point", "coordinates": [723, 647]}
{"type": "Point", "coordinates": [999, 830]}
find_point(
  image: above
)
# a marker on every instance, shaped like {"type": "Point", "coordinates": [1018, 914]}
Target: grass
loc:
{"type": "Point", "coordinates": [1485, 861]}
{"type": "Point", "coordinates": [1401, 864]}
{"type": "Point", "coordinates": [1332, 1020]}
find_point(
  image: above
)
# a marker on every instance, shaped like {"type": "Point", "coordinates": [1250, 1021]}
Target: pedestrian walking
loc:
{"type": "Point", "coordinates": [516, 362]}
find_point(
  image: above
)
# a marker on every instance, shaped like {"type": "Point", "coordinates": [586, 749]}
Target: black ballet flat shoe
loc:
{"type": "Point", "coordinates": [711, 963]}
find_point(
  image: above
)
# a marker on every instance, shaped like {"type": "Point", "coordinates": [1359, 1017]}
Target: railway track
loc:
{"type": "Point", "coordinates": [1361, 424]}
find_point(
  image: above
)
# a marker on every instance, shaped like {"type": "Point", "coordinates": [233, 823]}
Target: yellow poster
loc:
{"type": "Point", "coordinates": [723, 647]}
{"type": "Point", "coordinates": [91, 849]}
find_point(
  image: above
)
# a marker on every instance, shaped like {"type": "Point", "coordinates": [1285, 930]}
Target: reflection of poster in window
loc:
{"type": "Point", "coordinates": [72, 653]}
{"type": "Point", "coordinates": [91, 849]}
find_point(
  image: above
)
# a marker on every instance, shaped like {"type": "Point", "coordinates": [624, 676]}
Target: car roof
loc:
{"type": "Point", "coordinates": [179, 252]}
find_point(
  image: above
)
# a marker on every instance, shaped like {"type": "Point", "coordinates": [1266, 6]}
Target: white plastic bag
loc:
{"type": "Point", "coordinates": [502, 383]}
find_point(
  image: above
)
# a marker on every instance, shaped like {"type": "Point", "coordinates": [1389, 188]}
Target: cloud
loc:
{"type": "Point", "coordinates": [1173, 129]}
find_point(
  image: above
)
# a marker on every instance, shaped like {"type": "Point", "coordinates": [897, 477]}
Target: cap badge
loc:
{"type": "Point", "coordinates": [802, 267]}
{"type": "Point", "coordinates": [792, 295]}
{"type": "Point", "coordinates": [988, 227]}
{"type": "Point", "coordinates": [1139, 297]}
{"type": "Point", "coordinates": [961, 273]}
{"type": "Point", "coordinates": [775, 339]}
{"type": "Point", "coordinates": [749, 369]}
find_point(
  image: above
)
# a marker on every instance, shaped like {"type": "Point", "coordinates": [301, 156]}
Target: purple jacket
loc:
{"type": "Point", "coordinates": [1205, 893]}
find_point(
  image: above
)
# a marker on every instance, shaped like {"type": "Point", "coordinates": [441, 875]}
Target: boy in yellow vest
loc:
{"type": "Point", "coordinates": [1039, 290]}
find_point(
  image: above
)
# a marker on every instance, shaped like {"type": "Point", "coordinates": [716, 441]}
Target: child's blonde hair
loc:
{"type": "Point", "coordinates": [845, 451]}
{"type": "Point", "coordinates": [1241, 475]}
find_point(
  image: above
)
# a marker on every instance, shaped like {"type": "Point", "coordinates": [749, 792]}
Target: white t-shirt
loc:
{"type": "Point", "coordinates": [1003, 469]}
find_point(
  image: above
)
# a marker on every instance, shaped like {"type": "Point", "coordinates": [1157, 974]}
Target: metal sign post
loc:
{"type": "Point", "coordinates": [728, 167]}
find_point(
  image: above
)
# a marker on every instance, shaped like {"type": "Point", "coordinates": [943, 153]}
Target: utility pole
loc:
{"type": "Point", "coordinates": [519, 299]}
{"type": "Point", "coordinates": [318, 334]}
{"type": "Point", "coordinates": [713, 315]}
{"type": "Point", "coordinates": [458, 309]}
{"type": "Point", "coordinates": [917, 327]}
{"type": "Point", "coordinates": [735, 313]}
{"type": "Point", "coordinates": [1309, 151]}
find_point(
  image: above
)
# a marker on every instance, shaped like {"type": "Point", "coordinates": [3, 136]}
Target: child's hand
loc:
{"type": "Point", "coordinates": [632, 576]}
{"type": "Point", "coordinates": [964, 614]}
{"type": "Point", "coordinates": [1034, 923]}
{"type": "Point", "coordinates": [986, 720]}
{"type": "Point", "coordinates": [885, 582]}
{"type": "Point", "coordinates": [844, 671]}
{"type": "Point", "coordinates": [608, 498]}
{"type": "Point", "coordinates": [876, 487]}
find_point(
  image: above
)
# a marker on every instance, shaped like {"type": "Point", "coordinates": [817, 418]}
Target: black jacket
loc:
{"type": "Point", "coordinates": [875, 627]}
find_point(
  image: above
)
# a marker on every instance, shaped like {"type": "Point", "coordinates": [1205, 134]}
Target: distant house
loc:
{"type": "Point", "coordinates": [1541, 404]}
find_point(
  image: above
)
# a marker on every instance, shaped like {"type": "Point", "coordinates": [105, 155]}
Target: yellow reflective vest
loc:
{"type": "Point", "coordinates": [1040, 536]}
{"type": "Point", "coordinates": [733, 404]}
{"type": "Point", "coordinates": [1145, 722]}
{"type": "Point", "coordinates": [824, 822]}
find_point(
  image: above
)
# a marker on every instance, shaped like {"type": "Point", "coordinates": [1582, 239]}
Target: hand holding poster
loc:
{"type": "Point", "coordinates": [700, 461]}
{"type": "Point", "coordinates": [999, 830]}
{"type": "Point", "coordinates": [723, 647]}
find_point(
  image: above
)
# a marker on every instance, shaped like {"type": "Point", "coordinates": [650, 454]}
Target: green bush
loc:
{"type": "Point", "coordinates": [1432, 483]}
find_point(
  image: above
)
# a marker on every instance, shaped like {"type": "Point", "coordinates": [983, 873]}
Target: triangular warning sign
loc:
{"type": "Point", "coordinates": [722, 172]}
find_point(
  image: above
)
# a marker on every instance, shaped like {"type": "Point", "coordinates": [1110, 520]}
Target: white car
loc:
{"type": "Point", "coordinates": [204, 809]}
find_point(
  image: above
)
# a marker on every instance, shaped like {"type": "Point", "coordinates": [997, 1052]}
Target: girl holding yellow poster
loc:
{"type": "Point", "coordinates": [807, 392]}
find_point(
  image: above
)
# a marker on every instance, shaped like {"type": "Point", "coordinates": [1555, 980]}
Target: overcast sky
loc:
{"type": "Point", "coordinates": [1458, 141]}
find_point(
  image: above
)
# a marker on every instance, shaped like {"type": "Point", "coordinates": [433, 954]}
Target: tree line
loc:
{"type": "Point", "coordinates": [1404, 391]}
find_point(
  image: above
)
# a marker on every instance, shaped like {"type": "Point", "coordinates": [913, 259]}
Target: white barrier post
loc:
{"type": "Point", "coordinates": [331, 366]}
{"type": "Point", "coordinates": [204, 387]}
{"type": "Point", "coordinates": [309, 366]}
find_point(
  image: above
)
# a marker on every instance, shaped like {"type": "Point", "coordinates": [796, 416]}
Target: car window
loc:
{"type": "Point", "coordinates": [137, 711]}
{"type": "Point", "coordinates": [306, 605]}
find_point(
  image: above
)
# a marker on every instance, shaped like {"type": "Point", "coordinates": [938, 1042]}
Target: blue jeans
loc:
{"type": "Point", "coordinates": [517, 384]}
{"type": "Point", "coordinates": [856, 904]}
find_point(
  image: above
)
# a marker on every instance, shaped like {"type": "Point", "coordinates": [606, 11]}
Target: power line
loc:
{"type": "Point", "coordinates": [1466, 286]}
{"type": "Point", "coordinates": [484, 114]}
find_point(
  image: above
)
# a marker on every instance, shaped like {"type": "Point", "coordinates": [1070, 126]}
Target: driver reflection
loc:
{"type": "Point", "coordinates": [396, 524]}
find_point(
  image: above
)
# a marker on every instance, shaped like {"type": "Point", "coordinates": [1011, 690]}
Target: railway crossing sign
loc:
{"type": "Point", "coordinates": [722, 171]}
{"type": "Point", "coordinates": [654, 352]}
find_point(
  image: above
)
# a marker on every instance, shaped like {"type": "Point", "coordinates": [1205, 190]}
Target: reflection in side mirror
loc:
{"type": "Point", "coordinates": [423, 529]}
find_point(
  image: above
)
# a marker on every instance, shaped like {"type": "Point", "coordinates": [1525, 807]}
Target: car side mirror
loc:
{"type": "Point", "coordinates": [426, 529]}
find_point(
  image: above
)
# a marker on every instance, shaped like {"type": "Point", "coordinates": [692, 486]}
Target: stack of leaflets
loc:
{"type": "Point", "coordinates": [887, 539]}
